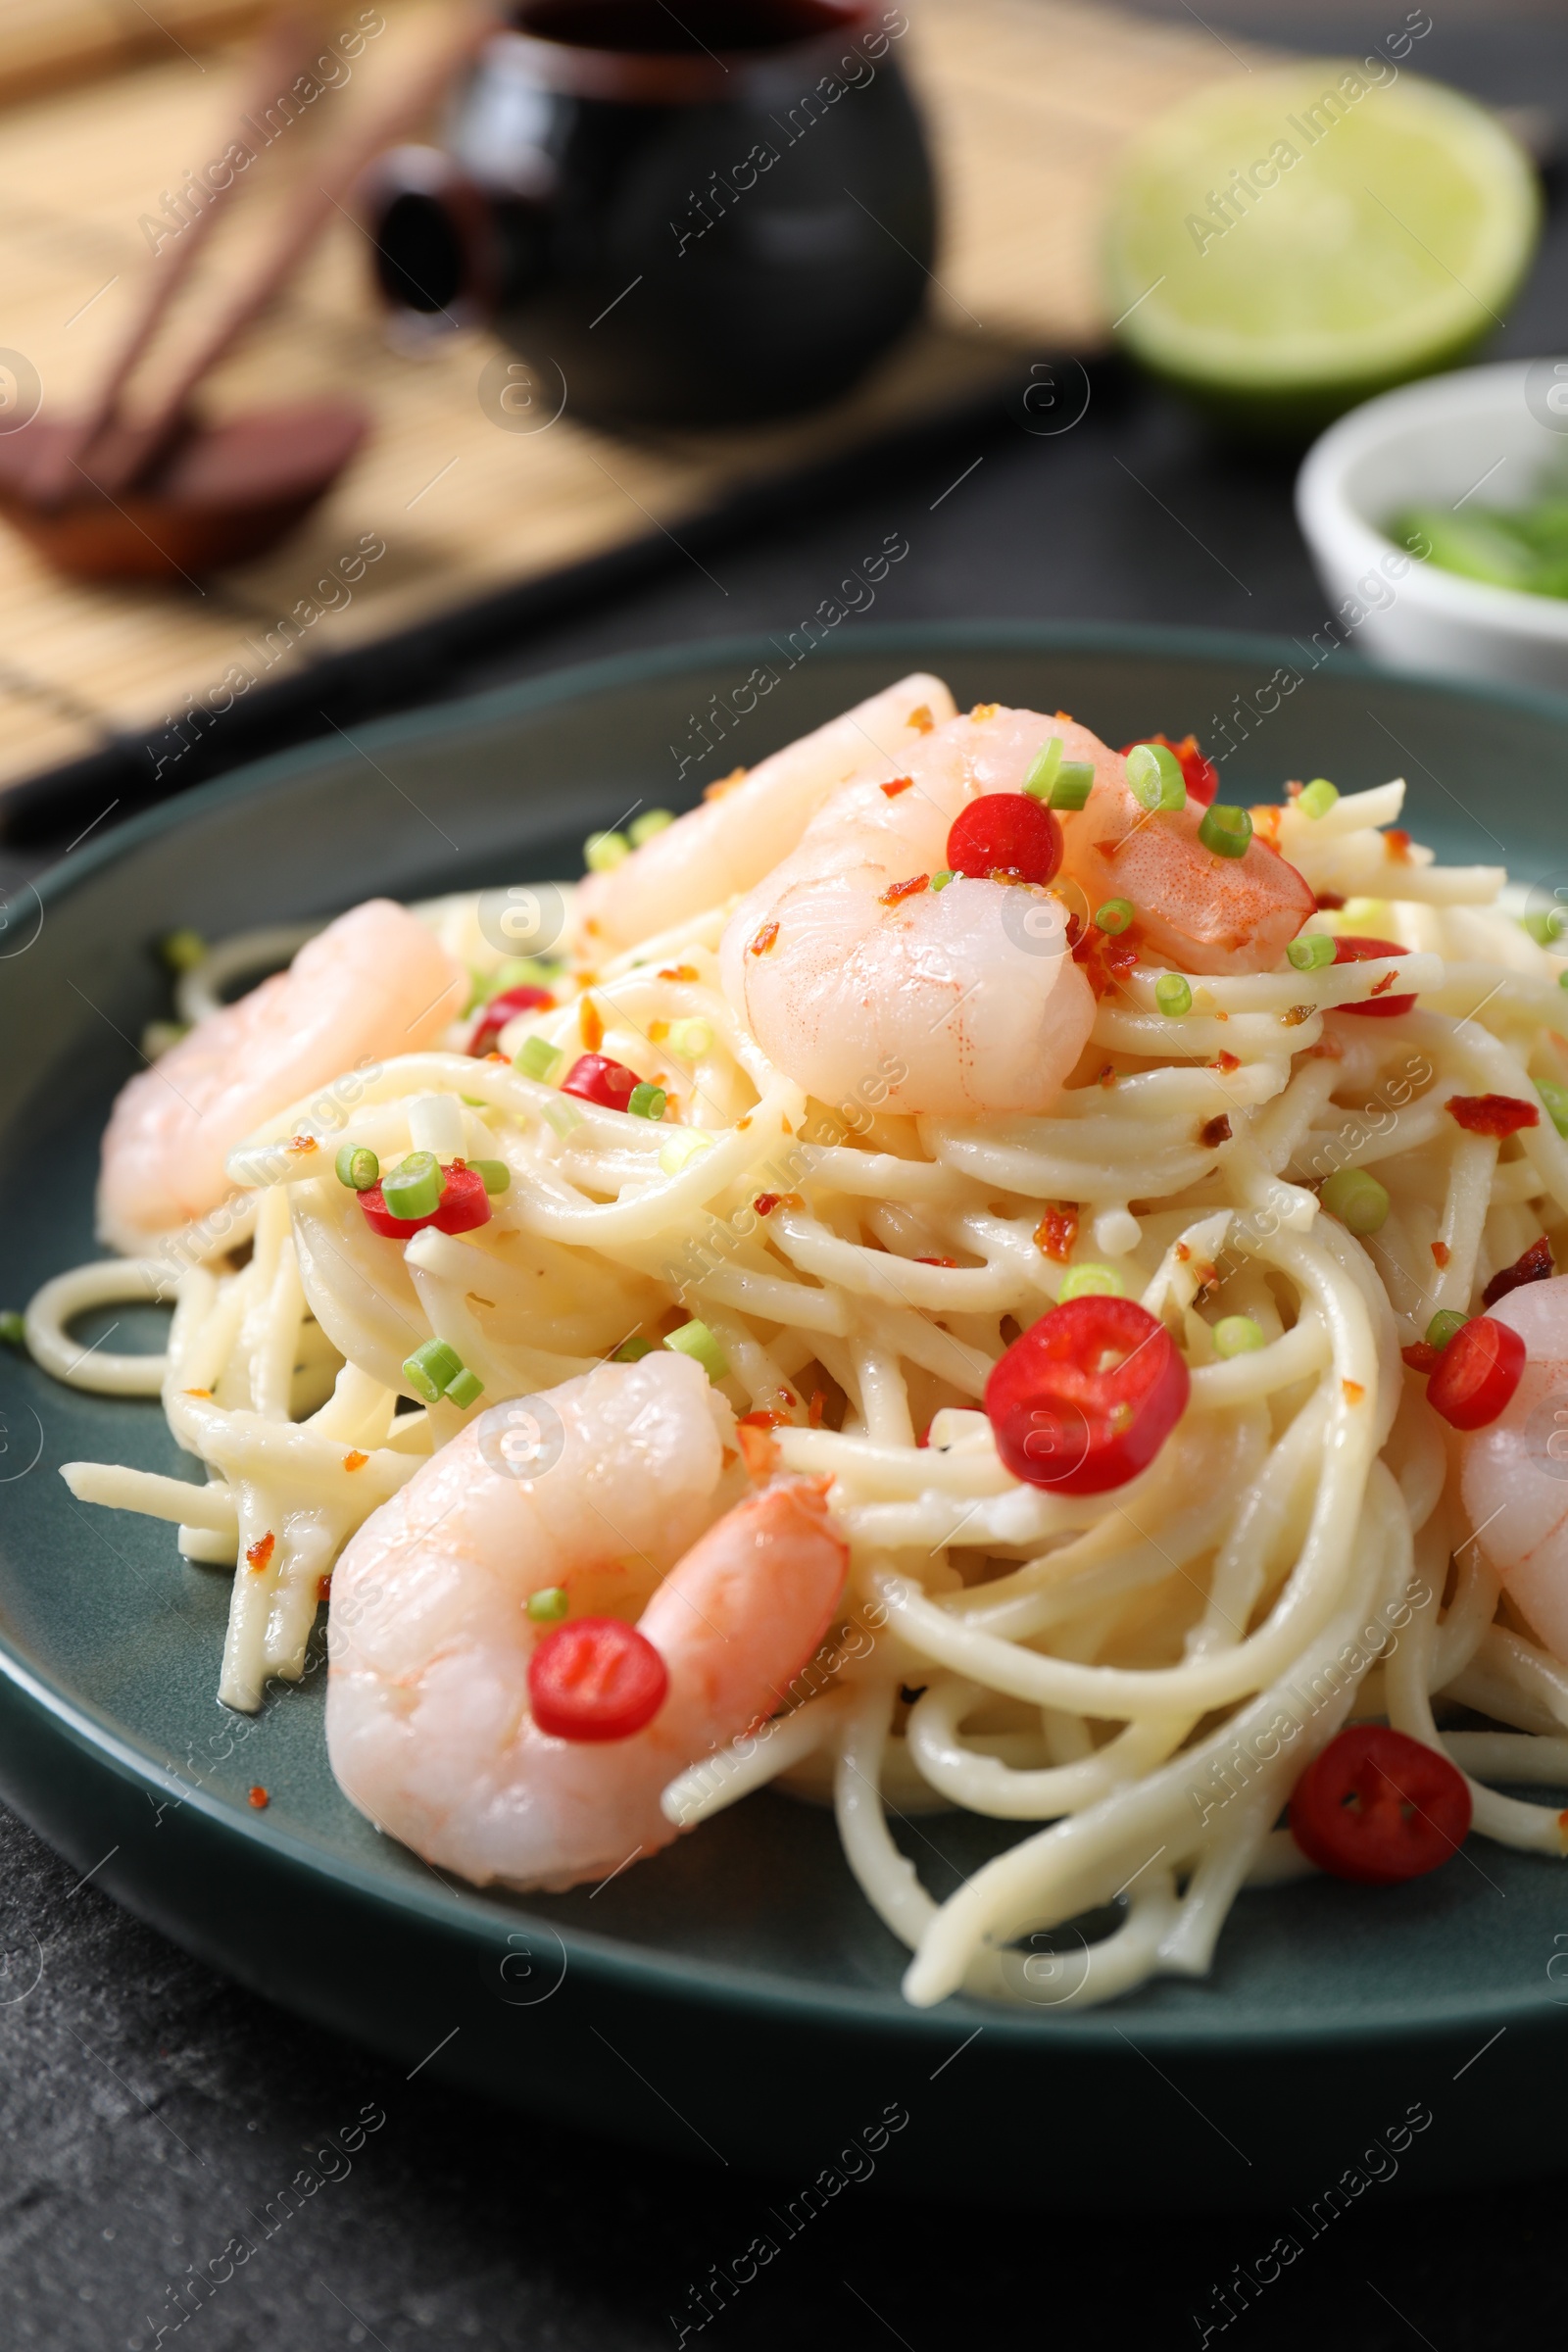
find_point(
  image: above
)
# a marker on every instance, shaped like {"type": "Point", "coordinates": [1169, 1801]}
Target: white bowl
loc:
{"type": "Point", "coordinates": [1490, 434]}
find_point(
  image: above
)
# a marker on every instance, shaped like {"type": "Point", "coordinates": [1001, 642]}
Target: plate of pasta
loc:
{"type": "Point", "coordinates": [893, 1416]}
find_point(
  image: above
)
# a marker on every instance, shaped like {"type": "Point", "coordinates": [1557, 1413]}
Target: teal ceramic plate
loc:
{"type": "Point", "coordinates": [734, 2000]}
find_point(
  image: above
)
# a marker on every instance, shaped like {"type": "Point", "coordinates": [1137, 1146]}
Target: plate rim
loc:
{"type": "Point", "coordinates": [477, 1916]}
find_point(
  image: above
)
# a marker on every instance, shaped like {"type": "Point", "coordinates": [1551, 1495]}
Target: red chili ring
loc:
{"type": "Point", "coordinates": [1347, 949]}
{"type": "Point", "coordinates": [503, 1007]}
{"type": "Point", "coordinates": [595, 1078]}
{"type": "Point", "coordinates": [1065, 1417]}
{"type": "Point", "coordinates": [464, 1206]}
{"type": "Point", "coordinates": [1378, 1807]}
{"type": "Point", "coordinates": [1477, 1373]}
{"type": "Point", "coordinates": [596, 1678]}
{"type": "Point", "coordinates": [1004, 832]}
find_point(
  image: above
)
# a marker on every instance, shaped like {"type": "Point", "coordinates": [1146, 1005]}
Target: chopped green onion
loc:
{"type": "Point", "coordinates": [181, 950]}
{"type": "Point", "coordinates": [474, 1101]}
{"type": "Point", "coordinates": [1092, 1282]}
{"type": "Point", "coordinates": [1555, 1098]}
{"type": "Point", "coordinates": [941, 881]}
{"type": "Point", "coordinates": [1311, 951]}
{"type": "Point", "coordinates": [646, 1101]}
{"type": "Point", "coordinates": [537, 1059]}
{"type": "Point", "coordinates": [1546, 927]}
{"type": "Point", "coordinates": [1173, 995]}
{"type": "Point", "coordinates": [683, 1146]}
{"type": "Point", "coordinates": [413, 1188]}
{"type": "Point", "coordinates": [632, 1350]}
{"type": "Point", "coordinates": [1074, 782]}
{"type": "Point", "coordinates": [432, 1369]}
{"type": "Point", "coordinates": [1115, 915]}
{"type": "Point", "coordinates": [492, 1174]}
{"type": "Point", "coordinates": [1154, 777]}
{"type": "Point", "coordinates": [1562, 978]}
{"type": "Point", "coordinates": [602, 853]}
{"type": "Point", "coordinates": [698, 1341]}
{"type": "Point", "coordinates": [358, 1167]}
{"type": "Point", "coordinates": [690, 1039]}
{"type": "Point", "coordinates": [1042, 769]}
{"type": "Point", "coordinates": [1225, 831]}
{"type": "Point", "coordinates": [1443, 1326]}
{"type": "Point", "coordinates": [13, 1328]}
{"type": "Point", "coordinates": [1356, 1199]}
{"type": "Point", "coordinates": [1237, 1334]}
{"type": "Point", "coordinates": [462, 1391]}
{"type": "Point", "coordinates": [652, 821]}
{"type": "Point", "coordinates": [549, 1607]}
{"type": "Point", "coordinates": [1317, 798]}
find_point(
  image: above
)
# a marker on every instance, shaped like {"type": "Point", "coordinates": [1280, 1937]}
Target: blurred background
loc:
{"type": "Point", "coordinates": [562, 379]}
{"type": "Point", "coordinates": [368, 356]}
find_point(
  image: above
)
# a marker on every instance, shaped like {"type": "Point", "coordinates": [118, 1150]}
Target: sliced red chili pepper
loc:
{"type": "Point", "coordinates": [1085, 1398]}
{"type": "Point", "coordinates": [1492, 1114]}
{"type": "Point", "coordinates": [595, 1078]}
{"type": "Point", "coordinates": [503, 1007]}
{"type": "Point", "coordinates": [464, 1205]}
{"type": "Point", "coordinates": [596, 1678]}
{"type": "Point", "coordinates": [1199, 775]}
{"type": "Point", "coordinates": [1531, 1265]}
{"type": "Point", "coordinates": [1379, 1807]}
{"type": "Point", "coordinates": [1477, 1373]}
{"type": "Point", "coordinates": [1007, 832]}
{"type": "Point", "coordinates": [1422, 1356]}
{"type": "Point", "coordinates": [1351, 949]}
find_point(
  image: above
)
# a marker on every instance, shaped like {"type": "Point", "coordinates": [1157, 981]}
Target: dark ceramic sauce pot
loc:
{"type": "Point", "coordinates": [692, 215]}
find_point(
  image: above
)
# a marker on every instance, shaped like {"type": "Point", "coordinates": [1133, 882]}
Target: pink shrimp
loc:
{"type": "Point", "coordinates": [745, 827]}
{"type": "Point", "coordinates": [374, 983]}
{"type": "Point", "coordinates": [847, 964]}
{"type": "Point", "coordinates": [427, 1716]}
{"type": "Point", "coordinates": [1514, 1472]}
{"type": "Point", "coordinates": [1194, 908]}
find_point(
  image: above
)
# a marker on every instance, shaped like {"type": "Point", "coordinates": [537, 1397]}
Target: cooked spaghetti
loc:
{"type": "Point", "coordinates": [860, 1116]}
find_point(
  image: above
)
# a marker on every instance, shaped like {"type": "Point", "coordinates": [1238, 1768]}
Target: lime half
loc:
{"type": "Point", "coordinates": [1288, 242]}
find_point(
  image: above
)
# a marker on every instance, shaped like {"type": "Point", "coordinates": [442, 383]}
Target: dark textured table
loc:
{"type": "Point", "coordinates": [152, 2114]}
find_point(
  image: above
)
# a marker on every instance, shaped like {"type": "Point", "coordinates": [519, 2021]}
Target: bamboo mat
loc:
{"type": "Point", "coordinates": [1027, 101]}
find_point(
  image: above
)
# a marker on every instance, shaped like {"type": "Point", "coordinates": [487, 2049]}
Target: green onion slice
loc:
{"type": "Point", "coordinates": [1225, 831]}
{"type": "Point", "coordinates": [698, 1341]}
{"type": "Point", "coordinates": [414, 1186]}
{"type": "Point", "coordinates": [1154, 777]}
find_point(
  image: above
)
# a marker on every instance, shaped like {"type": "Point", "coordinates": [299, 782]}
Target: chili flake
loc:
{"type": "Point", "coordinates": [323, 1586]}
{"type": "Point", "coordinates": [1381, 986]}
{"type": "Point", "coordinates": [1492, 1114]}
{"type": "Point", "coordinates": [259, 1553]}
{"type": "Point", "coordinates": [716, 792]}
{"type": "Point", "coordinates": [1441, 1253]}
{"type": "Point", "coordinates": [764, 940]}
{"type": "Point", "coordinates": [897, 785]}
{"type": "Point", "coordinates": [1056, 1233]}
{"type": "Point", "coordinates": [259, 1798]}
{"type": "Point", "coordinates": [766, 1204]}
{"type": "Point", "coordinates": [935, 1262]}
{"type": "Point", "coordinates": [206, 1392]}
{"type": "Point", "coordinates": [920, 718]}
{"type": "Point", "coordinates": [678, 971]}
{"type": "Point", "coordinates": [1421, 1356]}
{"type": "Point", "coordinates": [354, 1460]}
{"type": "Point", "coordinates": [987, 710]}
{"type": "Point", "coordinates": [1226, 1060]}
{"type": "Point", "coordinates": [818, 1407]}
{"type": "Point", "coordinates": [904, 890]}
{"type": "Point", "coordinates": [1329, 901]}
{"type": "Point", "coordinates": [1399, 844]}
{"type": "Point", "coordinates": [1295, 1015]}
{"type": "Point", "coordinates": [1214, 1131]}
{"type": "Point", "coordinates": [590, 1026]}
{"type": "Point", "coordinates": [1353, 1391]}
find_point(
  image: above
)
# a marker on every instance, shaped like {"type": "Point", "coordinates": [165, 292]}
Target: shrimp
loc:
{"type": "Point", "coordinates": [1514, 1472]}
{"type": "Point", "coordinates": [846, 965]}
{"type": "Point", "coordinates": [374, 983]}
{"type": "Point", "coordinates": [745, 826]}
{"type": "Point", "coordinates": [427, 1716]}
{"type": "Point", "coordinates": [1194, 908]}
